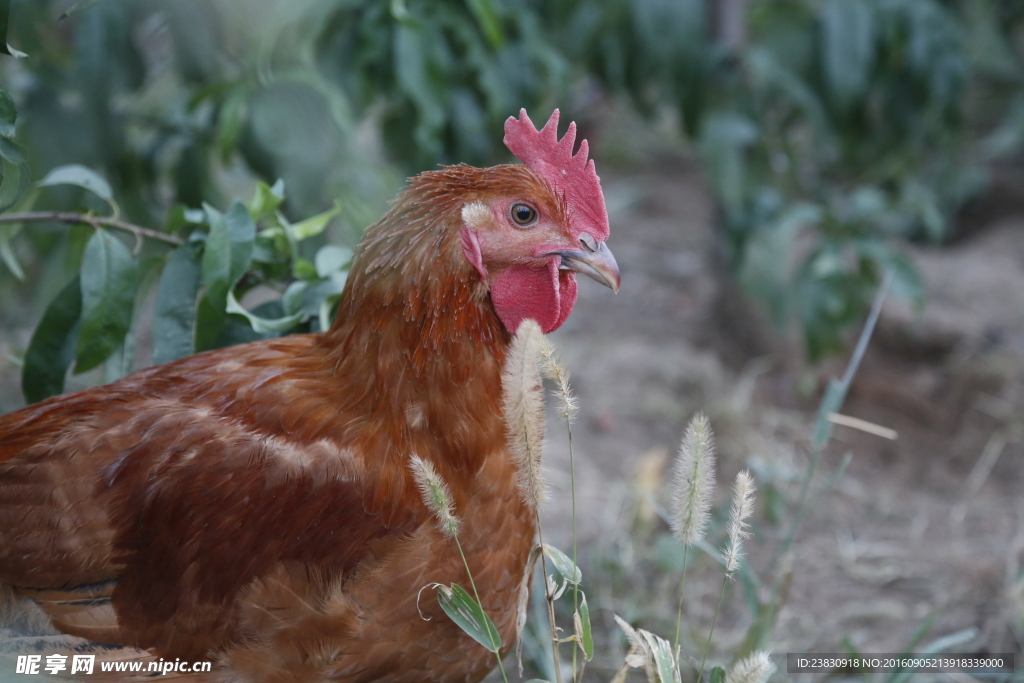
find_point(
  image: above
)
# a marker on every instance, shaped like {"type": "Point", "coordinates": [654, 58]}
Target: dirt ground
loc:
{"type": "Point", "coordinates": [927, 526]}
{"type": "Point", "coordinates": [930, 525]}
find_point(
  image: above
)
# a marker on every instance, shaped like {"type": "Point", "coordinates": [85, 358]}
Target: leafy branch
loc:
{"type": "Point", "coordinates": [200, 284]}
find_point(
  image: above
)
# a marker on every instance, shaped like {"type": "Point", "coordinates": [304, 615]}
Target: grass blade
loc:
{"type": "Point", "coordinates": [565, 566]}
{"type": "Point", "coordinates": [468, 615]}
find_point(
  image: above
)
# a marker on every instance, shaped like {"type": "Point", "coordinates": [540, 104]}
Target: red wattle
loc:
{"type": "Point", "coordinates": [545, 294]}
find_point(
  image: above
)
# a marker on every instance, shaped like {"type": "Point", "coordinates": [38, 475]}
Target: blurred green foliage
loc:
{"type": "Point", "coordinates": [836, 131]}
{"type": "Point", "coordinates": [831, 133]}
{"type": "Point", "coordinates": [181, 105]}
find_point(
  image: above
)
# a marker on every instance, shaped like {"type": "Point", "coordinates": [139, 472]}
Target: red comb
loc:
{"type": "Point", "coordinates": [572, 177]}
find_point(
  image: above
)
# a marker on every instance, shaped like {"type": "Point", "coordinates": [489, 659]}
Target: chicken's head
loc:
{"type": "Point", "coordinates": [538, 225]}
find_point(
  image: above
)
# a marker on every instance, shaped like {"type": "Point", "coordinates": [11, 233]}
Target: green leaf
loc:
{"type": "Point", "coordinates": [86, 178]}
{"type": "Point", "coordinates": [237, 330]}
{"type": "Point", "coordinates": [724, 136]}
{"type": "Point", "coordinates": [485, 15]}
{"type": "Point", "coordinates": [7, 232]}
{"type": "Point", "coordinates": [848, 42]}
{"type": "Point", "coordinates": [399, 12]}
{"type": "Point", "coordinates": [419, 77]}
{"type": "Point", "coordinates": [569, 571]}
{"type": "Point", "coordinates": [924, 202]}
{"type": "Point", "coordinates": [109, 280]}
{"type": "Point", "coordinates": [195, 216]}
{"type": "Point", "coordinates": [1008, 135]}
{"type": "Point", "coordinates": [718, 675]}
{"type": "Point", "coordinates": [263, 325]}
{"type": "Point", "coordinates": [468, 615]}
{"type": "Point", "coordinates": [17, 54]}
{"type": "Point", "coordinates": [122, 360]}
{"type": "Point", "coordinates": [52, 347]}
{"type": "Point", "coordinates": [210, 322]}
{"type": "Point", "coordinates": [15, 173]}
{"type": "Point", "coordinates": [231, 122]}
{"type": "Point", "coordinates": [303, 269]}
{"type": "Point", "coordinates": [5, 15]}
{"type": "Point", "coordinates": [664, 660]}
{"type": "Point", "coordinates": [314, 225]}
{"type": "Point", "coordinates": [906, 283]}
{"type": "Point", "coordinates": [305, 296]}
{"type": "Point", "coordinates": [766, 270]}
{"type": "Point", "coordinates": [266, 199]}
{"type": "Point", "coordinates": [584, 634]}
{"type": "Point", "coordinates": [330, 259]}
{"type": "Point", "coordinates": [228, 252]}
{"type": "Point", "coordinates": [174, 314]}
{"type": "Point", "coordinates": [771, 75]}
{"type": "Point", "coordinates": [8, 114]}
{"type": "Point", "coordinates": [328, 311]}
{"type": "Point", "coordinates": [274, 252]}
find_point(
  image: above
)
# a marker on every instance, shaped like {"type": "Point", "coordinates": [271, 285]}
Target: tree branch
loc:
{"type": "Point", "coordinates": [94, 221]}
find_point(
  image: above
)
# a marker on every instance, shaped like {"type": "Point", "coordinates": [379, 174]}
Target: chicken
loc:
{"type": "Point", "coordinates": [254, 505]}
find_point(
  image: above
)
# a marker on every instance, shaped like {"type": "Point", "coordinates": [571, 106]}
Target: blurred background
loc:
{"type": "Point", "coordinates": [766, 163]}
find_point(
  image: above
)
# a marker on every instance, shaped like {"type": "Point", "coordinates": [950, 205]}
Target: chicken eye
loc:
{"type": "Point", "coordinates": [523, 214]}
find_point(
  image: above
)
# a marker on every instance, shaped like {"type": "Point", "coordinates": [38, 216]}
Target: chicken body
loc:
{"type": "Point", "coordinates": [254, 505]}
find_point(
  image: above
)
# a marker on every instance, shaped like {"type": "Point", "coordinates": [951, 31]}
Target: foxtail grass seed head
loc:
{"type": "Point", "coordinates": [742, 508]}
{"type": "Point", "coordinates": [693, 481]}
{"type": "Point", "coordinates": [756, 668]}
{"type": "Point", "coordinates": [436, 495]}
{"type": "Point", "coordinates": [555, 370]}
{"type": "Point", "coordinates": [523, 403]}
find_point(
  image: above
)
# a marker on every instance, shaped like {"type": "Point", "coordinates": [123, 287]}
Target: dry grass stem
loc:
{"type": "Point", "coordinates": [523, 403]}
{"type": "Point", "coordinates": [862, 425]}
{"type": "Point", "coordinates": [524, 604]}
{"type": "Point", "coordinates": [756, 668]}
{"type": "Point", "coordinates": [436, 495]}
{"type": "Point", "coordinates": [693, 481]}
{"type": "Point", "coordinates": [742, 508]}
{"type": "Point", "coordinates": [555, 370]}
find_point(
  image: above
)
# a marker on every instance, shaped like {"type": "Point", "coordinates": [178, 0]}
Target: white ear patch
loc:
{"type": "Point", "coordinates": [476, 215]}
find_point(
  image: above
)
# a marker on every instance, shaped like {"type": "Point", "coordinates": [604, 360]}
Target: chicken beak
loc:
{"type": "Point", "coordinates": [598, 263]}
